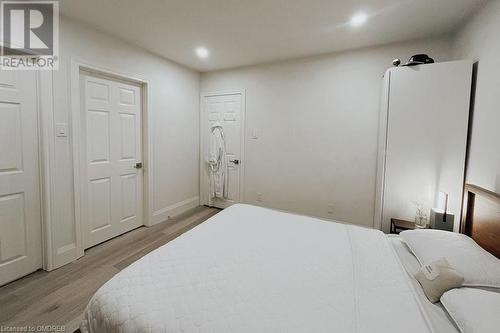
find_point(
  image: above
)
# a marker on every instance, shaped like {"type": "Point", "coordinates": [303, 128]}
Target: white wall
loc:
{"type": "Point", "coordinates": [318, 124]}
{"type": "Point", "coordinates": [174, 110]}
{"type": "Point", "coordinates": [479, 41]}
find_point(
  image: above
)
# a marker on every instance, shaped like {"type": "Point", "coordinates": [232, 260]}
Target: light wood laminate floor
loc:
{"type": "Point", "coordinates": [59, 297]}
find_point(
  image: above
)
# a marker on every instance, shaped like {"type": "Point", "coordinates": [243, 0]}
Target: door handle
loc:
{"type": "Point", "coordinates": [138, 166]}
{"type": "Point", "coordinates": [235, 161]}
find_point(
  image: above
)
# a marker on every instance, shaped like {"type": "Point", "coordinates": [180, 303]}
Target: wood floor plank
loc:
{"type": "Point", "coordinates": [59, 297]}
{"type": "Point", "coordinates": [169, 235]}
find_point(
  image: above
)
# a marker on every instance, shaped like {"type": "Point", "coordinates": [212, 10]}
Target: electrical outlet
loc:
{"type": "Point", "coordinates": [330, 209]}
{"type": "Point", "coordinates": [61, 130]}
{"type": "Point", "coordinates": [258, 197]}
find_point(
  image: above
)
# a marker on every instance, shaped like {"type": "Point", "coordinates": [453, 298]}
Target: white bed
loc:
{"type": "Point", "coordinates": [251, 269]}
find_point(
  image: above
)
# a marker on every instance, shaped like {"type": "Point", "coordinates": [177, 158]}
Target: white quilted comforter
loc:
{"type": "Point", "coordinates": [250, 269]}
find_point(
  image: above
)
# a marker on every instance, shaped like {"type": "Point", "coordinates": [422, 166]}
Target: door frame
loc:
{"type": "Point", "coordinates": [78, 165]}
{"type": "Point", "coordinates": [46, 155]}
{"type": "Point", "coordinates": [203, 142]}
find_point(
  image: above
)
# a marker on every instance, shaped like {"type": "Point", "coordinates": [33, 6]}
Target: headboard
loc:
{"type": "Point", "coordinates": [481, 218]}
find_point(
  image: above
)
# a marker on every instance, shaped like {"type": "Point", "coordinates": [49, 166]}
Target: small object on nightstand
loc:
{"type": "Point", "coordinates": [421, 220]}
{"type": "Point", "coordinates": [440, 217]}
{"type": "Point", "coordinates": [441, 220]}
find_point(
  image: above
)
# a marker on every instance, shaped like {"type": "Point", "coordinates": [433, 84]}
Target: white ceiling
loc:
{"type": "Point", "coordinates": [243, 32]}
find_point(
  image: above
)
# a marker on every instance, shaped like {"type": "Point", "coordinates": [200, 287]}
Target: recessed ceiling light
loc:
{"type": "Point", "coordinates": [202, 52]}
{"type": "Point", "coordinates": [358, 20]}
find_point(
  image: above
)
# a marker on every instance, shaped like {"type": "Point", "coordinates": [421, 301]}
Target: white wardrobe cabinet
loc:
{"type": "Point", "coordinates": [422, 140]}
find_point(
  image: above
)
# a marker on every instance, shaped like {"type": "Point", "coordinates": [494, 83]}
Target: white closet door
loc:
{"type": "Point", "coordinates": [20, 230]}
{"type": "Point", "coordinates": [111, 117]}
{"type": "Point", "coordinates": [426, 138]}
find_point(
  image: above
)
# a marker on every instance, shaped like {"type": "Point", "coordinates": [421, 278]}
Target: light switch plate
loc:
{"type": "Point", "coordinates": [61, 130]}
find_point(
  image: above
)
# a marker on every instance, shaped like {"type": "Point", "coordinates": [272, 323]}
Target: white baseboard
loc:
{"type": "Point", "coordinates": [163, 214]}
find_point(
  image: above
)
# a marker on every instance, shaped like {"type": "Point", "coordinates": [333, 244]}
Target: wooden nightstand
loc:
{"type": "Point", "coordinates": [398, 225]}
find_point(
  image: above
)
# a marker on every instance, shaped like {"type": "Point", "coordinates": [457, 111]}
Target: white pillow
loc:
{"type": "Point", "coordinates": [473, 310]}
{"type": "Point", "coordinates": [478, 267]}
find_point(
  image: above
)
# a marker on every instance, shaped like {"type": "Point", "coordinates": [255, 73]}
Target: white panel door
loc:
{"type": "Point", "coordinates": [20, 229]}
{"type": "Point", "coordinates": [111, 130]}
{"type": "Point", "coordinates": [225, 109]}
